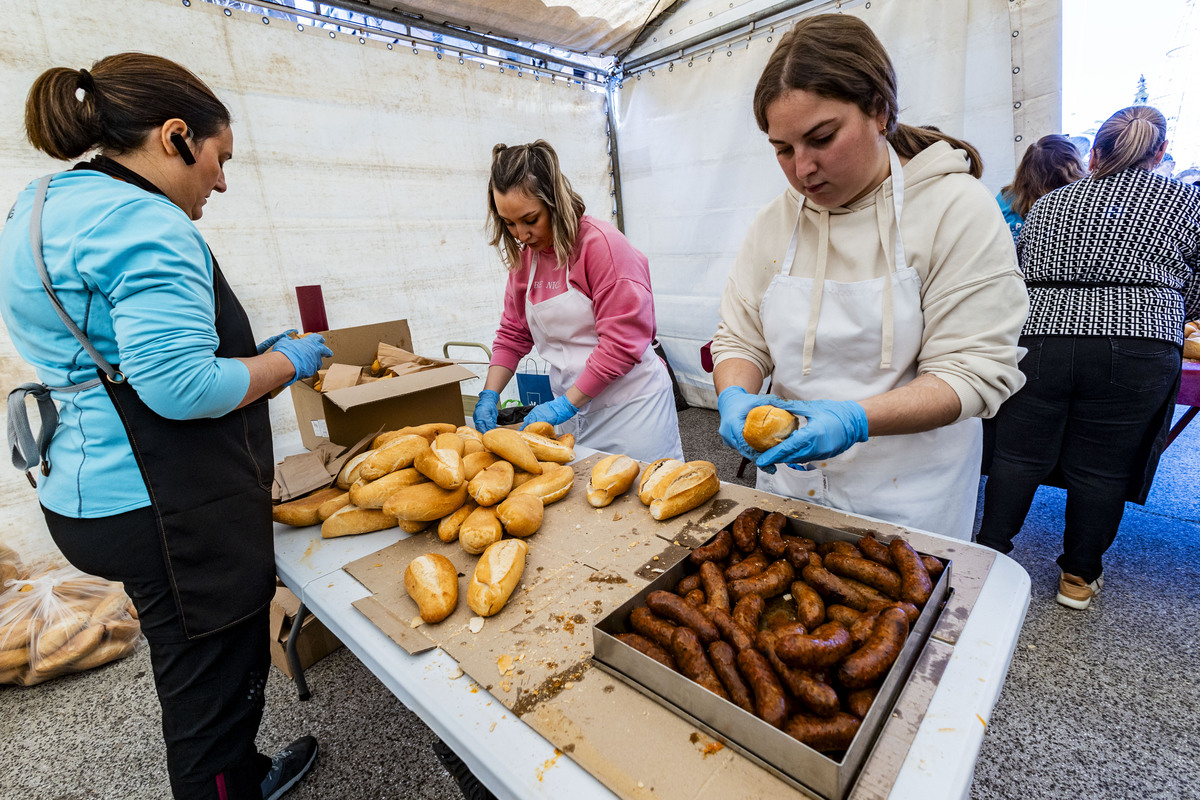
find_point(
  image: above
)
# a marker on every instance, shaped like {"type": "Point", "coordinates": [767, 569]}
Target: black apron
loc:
{"type": "Point", "coordinates": [209, 480]}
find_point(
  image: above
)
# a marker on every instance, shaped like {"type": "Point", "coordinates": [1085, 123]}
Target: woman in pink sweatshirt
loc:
{"type": "Point", "coordinates": [580, 293]}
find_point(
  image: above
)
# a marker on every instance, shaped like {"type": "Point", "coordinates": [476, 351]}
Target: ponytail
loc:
{"type": "Point", "coordinates": [1131, 137]}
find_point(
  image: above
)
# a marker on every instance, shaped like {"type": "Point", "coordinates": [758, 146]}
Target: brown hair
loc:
{"type": "Point", "coordinates": [1129, 138]}
{"type": "Point", "coordinates": [839, 57]}
{"type": "Point", "coordinates": [1051, 162]}
{"type": "Point", "coordinates": [115, 104]}
{"type": "Point", "coordinates": [533, 168]}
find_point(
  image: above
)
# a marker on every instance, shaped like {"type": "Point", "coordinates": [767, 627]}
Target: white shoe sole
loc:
{"type": "Point", "coordinates": [285, 788]}
{"type": "Point", "coordinates": [1082, 605]}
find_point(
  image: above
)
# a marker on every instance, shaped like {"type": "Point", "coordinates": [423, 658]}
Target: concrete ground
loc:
{"type": "Point", "coordinates": [1098, 703]}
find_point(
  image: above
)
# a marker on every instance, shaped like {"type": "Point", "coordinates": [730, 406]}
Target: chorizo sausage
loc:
{"type": "Point", "coordinates": [826, 734]}
{"type": "Point", "coordinates": [869, 593]}
{"type": "Point", "coordinates": [769, 700]}
{"type": "Point", "coordinates": [724, 661]}
{"type": "Point", "coordinates": [875, 550]}
{"type": "Point", "coordinates": [793, 628]}
{"type": "Point", "coordinates": [752, 564]}
{"type": "Point", "coordinates": [832, 588]}
{"type": "Point", "coordinates": [652, 626]}
{"type": "Point", "coordinates": [712, 581]}
{"type": "Point", "coordinates": [803, 542]}
{"type": "Point", "coordinates": [770, 534]}
{"type": "Point", "coordinates": [869, 663]}
{"type": "Point", "coordinates": [823, 648]}
{"type": "Point", "coordinates": [843, 614]}
{"type": "Point", "coordinates": [717, 549]}
{"type": "Point", "coordinates": [858, 702]}
{"type": "Point", "coordinates": [810, 607]}
{"type": "Point", "coordinates": [648, 648]}
{"type": "Point", "coordinates": [933, 566]}
{"type": "Point", "coordinates": [915, 585]}
{"type": "Point", "coordinates": [689, 655]}
{"type": "Point", "coordinates": [774, 580]}
{"type": "Point", "coordinates": [745, 529]}
{"type": "Point", "coordinates": [681, 612]}
{"type": "Point", "coordinates": [730, 630]}
{"type": "Point", "coordinates": [863, 570]}
{"type": "Point", "coordinates": [912, 612]}
{"type": "Point", "coordinates": [860, 631]}
{"type": "Point", "coordinates": [815, 695]}
{"type": "Point", "coordinates": [687, 584]}
{"type": "Point", "coordinates": [747, 612]}
{"type": "Point", "coordinates": [797, 555]}
{"type": "Point", "coordinates": [696, 597]}
{"type": "Point", "coordinates": [837, 546]}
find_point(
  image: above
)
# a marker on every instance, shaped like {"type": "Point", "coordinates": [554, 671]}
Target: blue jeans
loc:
{"type": "Point", "coordinates": [1087, 405]}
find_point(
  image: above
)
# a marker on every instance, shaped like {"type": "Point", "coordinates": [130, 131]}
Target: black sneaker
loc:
{"type": "Point", "coordinates": [468, 784]}
{"type": "Point", "coordinates": [288, 766]}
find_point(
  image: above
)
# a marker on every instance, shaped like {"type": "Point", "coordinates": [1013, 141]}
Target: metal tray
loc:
{"type": "Point", "coordinates": [767, 746]}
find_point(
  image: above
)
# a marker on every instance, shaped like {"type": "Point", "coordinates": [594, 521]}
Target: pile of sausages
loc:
{"type": "Point", "coordinates": [798, 633]}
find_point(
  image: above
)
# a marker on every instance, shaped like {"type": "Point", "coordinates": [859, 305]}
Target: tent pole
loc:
{"type": "Point", "coordinates": [614, 161]}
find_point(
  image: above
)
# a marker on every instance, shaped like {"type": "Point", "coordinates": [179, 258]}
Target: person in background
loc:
{"type": "Point", "coordinates": [156, 465]}
{"type": "Point", "coordinates": [1051, 162]}
{"type": "Point", "coordinates": [889, 333]}
{"type": "Point", "coordinates": [1112, 265]}
{"type": "Point", "coordinates": [579, 292]}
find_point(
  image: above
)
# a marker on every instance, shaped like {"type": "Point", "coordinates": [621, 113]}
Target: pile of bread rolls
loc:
{"type": "Point", "coordinates": [799, 634]}
{"type": "Point", "coordinates": [1191, 340]}
{"type": "Point", "coordinates": [668, 486]}
{"type": "Point", "coordinates": [57, 620]}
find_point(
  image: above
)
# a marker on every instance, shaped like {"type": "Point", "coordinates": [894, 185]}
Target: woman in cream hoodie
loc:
{"type": "Point", "coordinates": [879, 294]}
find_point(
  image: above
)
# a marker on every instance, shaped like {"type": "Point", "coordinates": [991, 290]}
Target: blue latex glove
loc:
{"type": "Point", "coordinates": [267, 344]}
{"type": "Point", "coordinates": [733, 405]}
{"type": "Point", "coordinates": [486, 410]}
{"type": "Point", "coordinates": [304, 353]}
{"type": "Point", "coordinates": [556, 412]}
{"type": "Point", "coordinates": [833, 426]}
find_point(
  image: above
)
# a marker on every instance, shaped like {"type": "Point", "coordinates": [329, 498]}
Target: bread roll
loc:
{"type": "Point", "coordinates": [102, 654]}
{"type": "Point", "coordinates": [540, 428]}
{"type": "Point", "coordinates": [521, 515]}
{"type": "Point", "coordinates": [349, 471]}
{"type": "Point", "coordinates": [14, 658]}
{"type": "Point", "coordinates": [546, 449]}
{"type": "Point", "coordinates": [78, 646]}
{"type": "Point", "coordinates": [567, 439]}
{"type": "Point", "coordinates": [480, 530]}
{"type": "Point", "coordinates": [396, 454]}
{"type": "Point", "coordinates": [521, 477]}
{"type": "Point", "coordinates": [302, 511]}
{"type": "Point", "coordinates": [373, 494]}
{"type": "Point", "coordinates": [15, 635]}
{"type": "Point", "coordinates": [448, 526]}
{"type": "Point", "coordinates": [327, 509]}
{"type": "Point", "coordinates": [509, 445]}
{"type": "Point", "coordinates": [653, 475]}
{"type": "Point", "coordinates": [767, 426]}
{"type": "Point", "coordinates": [424, 502]}
{"type": "Point", "coordinates": [1191, 348]}
{"type": "Point", "coordinates": [110, 607]}
{"type": "Point", "coordinates": [123, 630]}
{"type": "Point", "coordinates": [443, 466]}
{"type": "Point", "coordinates": [353, 520]}
{"type": "Point", "coordinates": [684, 489]}
{"type": "Point", "coordinates": [468, 433]}
{"type": "Point", "coordinates": [491, 485]}
{"type": "Point", "coordinates": [56, 633]}
{"type": "Point", "coordinates": [611, 477]}
{"type": "Point", "coordinates": [549, 487]}
{"type": "Point", "coordinates": [432, 582]}
{"type": "Point", "coordinates": [474, 463]}
{"type": "Point", "coordinates": [409, 526]}
{"type": "Point", "coordinates": [496, 575]}
{"type": "Point", "coordinates": [473, 446]}
{"type": "Point", "coordinates": [449, 441]}
{"type": "Point", "coordinates": [428, 432]}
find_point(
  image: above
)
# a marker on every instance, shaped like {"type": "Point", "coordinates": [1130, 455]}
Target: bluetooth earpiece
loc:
{"type": "Point", "coordinates": [185, 152]}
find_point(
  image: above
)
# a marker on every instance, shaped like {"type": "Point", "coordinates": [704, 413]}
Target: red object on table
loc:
{"type": "Point", "coordinates": [312, 308]}
{"type": "Point", "coordinates": [1189, 395]}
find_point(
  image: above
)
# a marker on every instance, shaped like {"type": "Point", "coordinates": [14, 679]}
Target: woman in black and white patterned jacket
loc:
{"type": "Point", "coordinates": [1112, 263]}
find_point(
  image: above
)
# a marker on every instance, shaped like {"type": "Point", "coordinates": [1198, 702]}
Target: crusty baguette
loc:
{"type": "Point", "coordinates": [474, 463]}
{"type": "Point", "coordinates": [353, 520]}
{"type": "Point", "coordinates": [540, 428]}
{"type": "Point", "coordinates": [349, 471]}
{"type": "Point", "coordinates": [496, 576]}
{"type": "Point", "coordinates": [448, 525]}
{"type": "Point", "coordinates": [473, 446]}
{"type": "Point", "coordinates": [432, 582]}
{"type": "Point", "coordinates": [468, 433]}
{"type": "Point", "coordinates": [547, 449]}
{"type": "Point", "coordinates": [509, 445]}
{"type": "Point", "coordinates": [302, 511]}
{"type": "Point", "coordinates": [491, 485]}
{"type": "Point", "coordinates": [449, 441]}
{"type": "Point", "coordinates": [373, 494]}
{"type": "Point", "coordinates": [1191, 348]}
{"type": "Point", "coordinates": [104, 652]}
{"type": "Point", "coordinates": [16, 634]}
{"type": "Point", "coordinates": [550, 486]}
{"type": "Point", "coordinates": [408, 526]}
{"type": "Point", "coordinates": [767, 426]}
{"type": "Point", "coordinates": [684, 489]}
{"type": "Point", "coordinates": [428, 432]}
{"type": "Point", "coordinates": [58, 632]}
{"type": "Point", "coordinates": [567, 439]}
{"type": "Point", "coordinates": [123, 630]}
{"type": "Point", "coordinates": [424, 502]}
{"type": "Point", "coordinates": [441, 465]}
{"type": "Point", "coordinates": [480, 530]}
{"type": "Point", "coordinates": [653, 475]}
{"type": "Point", "coordinates": [611, 477]}
{"type": "Point", "coordinates": [521, 515]}
{"type": "Point", "coordinates": [110, 607]}
{"type": "Point", "coordinates": [327, 509]}
{"type": "Point", "coordinates": [78, 646]}
{"type": "Point", "coordinates": [396, 454]}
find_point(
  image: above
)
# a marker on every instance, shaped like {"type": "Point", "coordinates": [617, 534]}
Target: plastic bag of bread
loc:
{"type": "Point", "coordinates": [55, 620]}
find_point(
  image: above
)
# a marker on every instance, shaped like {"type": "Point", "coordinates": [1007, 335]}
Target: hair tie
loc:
{"type": "Point", "coordinates": [86, 81]}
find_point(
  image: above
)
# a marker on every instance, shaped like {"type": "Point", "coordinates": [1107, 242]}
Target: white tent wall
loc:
{"type": "Point", "coordinates": [695, 168]}
{"type": "Point", "coordinates": [355, 167]}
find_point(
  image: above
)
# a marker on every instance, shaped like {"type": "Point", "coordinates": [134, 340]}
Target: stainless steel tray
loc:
{"type": "Point", "coordinates": [767, 746]}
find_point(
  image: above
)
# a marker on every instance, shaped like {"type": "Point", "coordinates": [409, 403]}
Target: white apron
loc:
{"type": "Point", "coordinates": [849, 341]}
{"type": "Point", "coordinates": [635, 414]}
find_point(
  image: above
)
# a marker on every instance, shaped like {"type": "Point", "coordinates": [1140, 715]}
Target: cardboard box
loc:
{"type": "Point", "coordinates": [344, 416]}
{"type": "Point", "coordinates": [315, 640]}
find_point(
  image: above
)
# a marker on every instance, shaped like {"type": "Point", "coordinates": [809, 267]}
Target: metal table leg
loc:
{"type": "Point", "coordinates": [293, 657]}
{"type": "Point", "coordinates": [1181, 424]}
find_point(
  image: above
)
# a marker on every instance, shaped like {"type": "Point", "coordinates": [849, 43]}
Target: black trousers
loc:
{"type": "Point", "coordinates": [1087, 405]}
{"type": "Point", "coordinates": [211, 688]}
